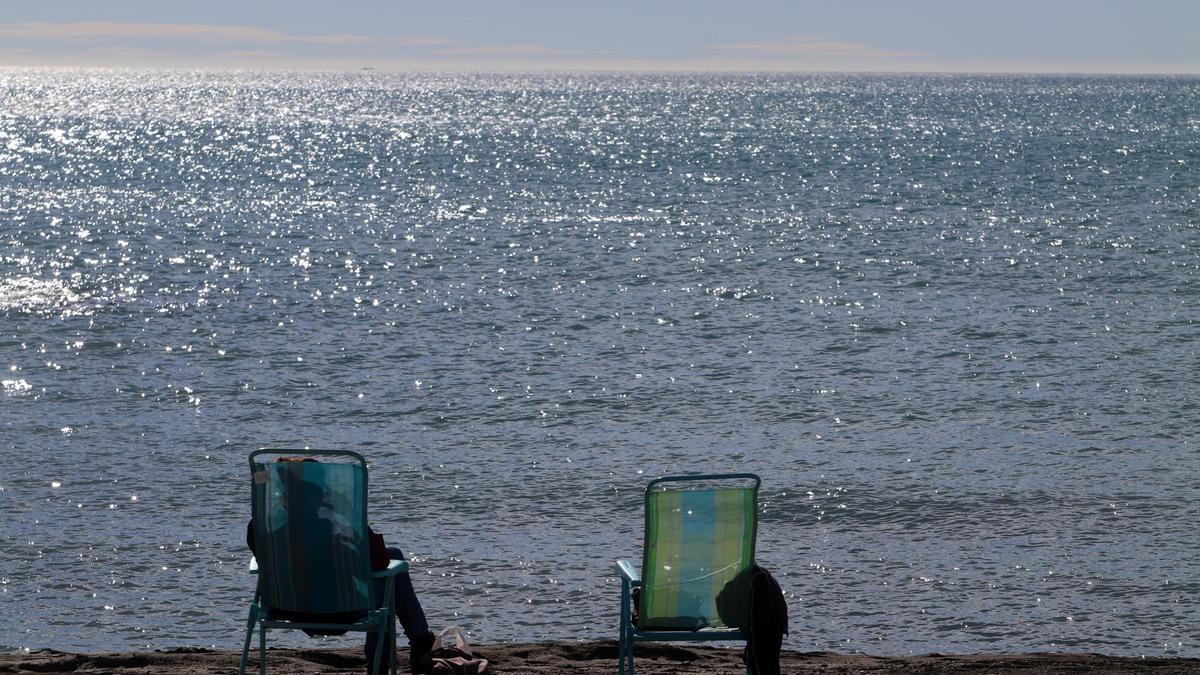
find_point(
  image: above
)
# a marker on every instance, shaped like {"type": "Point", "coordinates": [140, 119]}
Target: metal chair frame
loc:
{"type": "Point", "coordinates": [632, 575]}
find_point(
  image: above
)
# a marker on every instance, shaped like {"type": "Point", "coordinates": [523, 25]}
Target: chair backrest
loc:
{"type": "Point", "coordinates": [698, 549]}
{"type": "Point", "coordinates": [310, 531]}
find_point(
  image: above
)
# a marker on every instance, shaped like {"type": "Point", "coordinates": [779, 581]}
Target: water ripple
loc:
{"type": "Point", "coordinates": [950, 320]}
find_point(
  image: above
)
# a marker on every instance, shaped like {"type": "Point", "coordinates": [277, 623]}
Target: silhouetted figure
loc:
{"type": "Point", "coordinates": [326, 526]}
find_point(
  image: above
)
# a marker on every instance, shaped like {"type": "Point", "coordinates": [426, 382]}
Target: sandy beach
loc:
{"type": "Point", "coordinates": [594, 658]}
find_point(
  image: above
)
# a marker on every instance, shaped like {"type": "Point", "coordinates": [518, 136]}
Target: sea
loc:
{"type": "Point", "coordinates": [952, 322]}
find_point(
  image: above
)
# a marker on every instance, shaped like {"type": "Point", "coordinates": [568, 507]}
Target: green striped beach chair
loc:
{"type": "Point", "coordinates": [693, 584]}
{"type": "Point", "coordinates": [312, 550]}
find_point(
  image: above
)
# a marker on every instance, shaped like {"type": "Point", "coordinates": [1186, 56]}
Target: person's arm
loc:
{"type": "Point", "coordinates": [379, 554]}
{"type": "Point", "coordinates": [250, 535]}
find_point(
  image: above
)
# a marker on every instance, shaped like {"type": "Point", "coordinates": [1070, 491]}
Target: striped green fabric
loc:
{"type": "Point", "coordinates": [698, 550]}
{"type": "Point", "coordinates": [310, 537]}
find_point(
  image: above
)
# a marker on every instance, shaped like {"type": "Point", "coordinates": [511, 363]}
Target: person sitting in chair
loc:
{"type": "Point", "coordinates": [408, 608]}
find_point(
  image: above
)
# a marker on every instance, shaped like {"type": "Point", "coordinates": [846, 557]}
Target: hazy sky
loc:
{"type": "Point", "coordinates": [1110, 36]}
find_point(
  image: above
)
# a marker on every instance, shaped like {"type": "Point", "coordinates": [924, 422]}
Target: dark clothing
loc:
{"type": "Point", "coordinates": [379, 553]}
{"type": "Point", "coordinates": [408, 608]}
{"type": "Point", "coordinates": [408, 612]}
{"type": "Point", "coordinates": [768, 623]}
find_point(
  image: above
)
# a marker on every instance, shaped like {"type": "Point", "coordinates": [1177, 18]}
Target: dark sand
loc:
{"type": "Point", "coordinates": [592, 658]}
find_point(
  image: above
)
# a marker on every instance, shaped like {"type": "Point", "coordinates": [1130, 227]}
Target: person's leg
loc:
{"type": "Point", "coordinates": [408, 608]}
{"type": "Point", "coordinates": [408, 612]}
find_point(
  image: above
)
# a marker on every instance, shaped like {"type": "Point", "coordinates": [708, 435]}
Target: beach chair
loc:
{"type": "Point", "coordinates": [312, 551]}
{"type": "Point", "coordinates": [698, 546]}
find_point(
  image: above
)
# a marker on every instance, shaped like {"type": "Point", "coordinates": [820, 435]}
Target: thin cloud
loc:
{"type": "Point", "coordinates": [249, 54]}
{"type": "Point", "coordinates": [812, 46]}
{"type": "Point", "coordinates": [108, 30]}
{"type": "Point", "coordinates": [507, 50]}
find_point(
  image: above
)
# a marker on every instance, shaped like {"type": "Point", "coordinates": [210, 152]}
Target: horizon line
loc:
{"type": "Point", "coordinates": [593, 70]}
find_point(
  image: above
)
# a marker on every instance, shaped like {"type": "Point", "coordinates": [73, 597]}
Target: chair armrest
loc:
{"type": "Point", "coordinates": [253, 565]}
{"type": "Point", "coordinates": [627, 570]}
{"type": "Point", "coordinates": [394, 567]}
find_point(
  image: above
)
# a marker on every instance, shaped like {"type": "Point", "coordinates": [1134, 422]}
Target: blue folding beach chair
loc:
{"type": "Point", "coordinates": [312, 551]}
{"type": "Point", "coordinates": [698, 547]}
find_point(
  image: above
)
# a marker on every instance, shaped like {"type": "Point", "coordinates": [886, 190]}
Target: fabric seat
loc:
{"type": "Point", "coordinates": [698, 547]}
{"type": "Point", "coordinates": [312, 551]}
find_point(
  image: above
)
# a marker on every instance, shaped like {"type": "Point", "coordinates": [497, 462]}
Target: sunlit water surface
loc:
{"type": "Point", "coordinates": [952, 322]}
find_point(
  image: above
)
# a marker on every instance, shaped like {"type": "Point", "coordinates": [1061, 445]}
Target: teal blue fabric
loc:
{"type": "Point", "coordinates": [311, 537]}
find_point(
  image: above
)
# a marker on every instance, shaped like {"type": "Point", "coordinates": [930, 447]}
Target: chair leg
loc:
{"type": "Point", "coordinates": [249, 636]}
{"type": "Point", "coordinates": [382, 638]}
{"type": "Point", "coordinates": [625, 635]}
{"type": "Point", "coordinates": [625, 659]}
{"type": "Point", "coordinates": [262, 650]}
{"type": "Point", "coordinates": [389, 636]}
{"type": "Point", "coordinates": [395, 650]}
{"type": "Point", "coordinates": [623, 650]}
{"type": "Point", "coordinates": [621, 632]}
{"type": "Point", "coordinates": [623, 655]}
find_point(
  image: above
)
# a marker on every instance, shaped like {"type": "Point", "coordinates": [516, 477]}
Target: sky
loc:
{"type": "Point", "coordinates": [1035, 36]}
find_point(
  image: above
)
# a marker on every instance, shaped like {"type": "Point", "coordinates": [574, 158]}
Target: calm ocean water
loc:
{"type": "Point", "coordinates": [952, 322]}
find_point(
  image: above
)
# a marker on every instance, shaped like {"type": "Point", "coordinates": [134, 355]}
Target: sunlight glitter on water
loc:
{"type": "Point", "coordinates": [32, 295]}
{"type": "Point", "coordinates": [880, 293]}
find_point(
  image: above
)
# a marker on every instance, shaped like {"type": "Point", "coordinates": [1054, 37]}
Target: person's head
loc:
{"type": "Point", "coordinates": [299, 483]}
